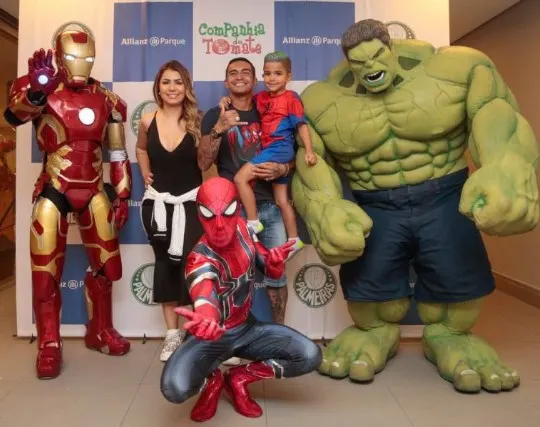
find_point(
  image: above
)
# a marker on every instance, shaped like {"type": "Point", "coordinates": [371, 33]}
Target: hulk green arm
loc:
{"type": "Point", "coordinates": [502, 195]}
{"type": "Point", "coordinates": [336, 226]}
{"type": "Point", "coordinates": [320, 184]}
{"type": "Point", "coordinates": [497, 128]}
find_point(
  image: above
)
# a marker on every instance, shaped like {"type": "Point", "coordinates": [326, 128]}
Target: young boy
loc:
{"type": "Point", "coordinates": [282, 114]}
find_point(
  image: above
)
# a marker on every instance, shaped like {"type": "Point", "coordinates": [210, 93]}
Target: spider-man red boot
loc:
{"type": "Point", "coordinates": [206, 406]}
{"type": "Point", "coordinates": [237, 380]}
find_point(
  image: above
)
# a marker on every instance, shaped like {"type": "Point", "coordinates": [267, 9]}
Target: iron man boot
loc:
{"type": "Point", "coordinates": [206, 406]}
{"type": "Point", "coordinates": [236, 381]}
{"type": "Point", "coordinates": [100, 334]}
{"type": "Point", "coordinates": [47, 304]}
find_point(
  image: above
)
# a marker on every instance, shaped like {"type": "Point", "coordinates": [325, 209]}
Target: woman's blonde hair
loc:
{"type": "Point", "coordinates": [190, 112]}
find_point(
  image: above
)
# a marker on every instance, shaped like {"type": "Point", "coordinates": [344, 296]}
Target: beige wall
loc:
{"type": "Point", "coordinates": [8, 71]}
{"type": "Point", "coordinates": [512, 40]}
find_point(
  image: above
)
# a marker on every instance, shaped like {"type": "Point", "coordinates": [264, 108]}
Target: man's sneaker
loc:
{"type": "Point", "coordinates": [173, 339]}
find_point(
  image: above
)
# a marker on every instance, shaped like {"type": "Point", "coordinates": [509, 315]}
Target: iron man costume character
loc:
{"type": "Point", "coordinates": [220, 273]}
{"type": "Point", "coordinates": [73, 115]}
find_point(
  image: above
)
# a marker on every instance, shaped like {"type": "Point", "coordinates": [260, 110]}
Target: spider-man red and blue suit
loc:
{"type": "Point", "coordinates": [220, 273]}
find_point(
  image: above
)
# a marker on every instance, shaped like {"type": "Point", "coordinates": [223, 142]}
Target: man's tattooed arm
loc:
{"type": "Point", "coordinates": [207, 151]}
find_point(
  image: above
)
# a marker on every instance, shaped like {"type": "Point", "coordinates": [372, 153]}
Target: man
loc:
{"type": "Point", "coordinates": [230, 138]}
{"type": "Point", "coordinates": [220, 275]}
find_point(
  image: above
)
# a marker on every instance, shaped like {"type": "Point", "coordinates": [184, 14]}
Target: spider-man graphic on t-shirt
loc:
{"type": "Point", "coordinates": [244, 142]}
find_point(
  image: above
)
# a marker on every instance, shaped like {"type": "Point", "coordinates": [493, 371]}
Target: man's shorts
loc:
{"type": "Point", "coordinates": [419, 223]}
{"type": "Point", "coordinates": [280, 151]}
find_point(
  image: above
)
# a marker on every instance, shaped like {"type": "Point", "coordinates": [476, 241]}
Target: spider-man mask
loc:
{"type": "Point", "coordinates": [217, 203]}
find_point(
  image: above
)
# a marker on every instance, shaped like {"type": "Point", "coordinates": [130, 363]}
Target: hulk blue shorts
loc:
{"type": "Point", "coordinates": [419, 224]}
{"type": "Point", "coordinates": [281, 151]}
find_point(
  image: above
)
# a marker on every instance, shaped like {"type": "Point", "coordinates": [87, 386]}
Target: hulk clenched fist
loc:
{"type": "Point", "coordinates": [398, 117]}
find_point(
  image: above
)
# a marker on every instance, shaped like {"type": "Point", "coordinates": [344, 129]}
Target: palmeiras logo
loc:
{"type": "Point", "coordinates": [72, 25]}
{"type": "Point", "coordinates": [399, 30]}
{"type": "Point", "coordinates": [142, 284]}
{"type": "Point", "coordinates": [235, 39]}
{"type": "Point", "coordinates": [141, 109]}
{"type": "Point", "coordinates": [315, 285]}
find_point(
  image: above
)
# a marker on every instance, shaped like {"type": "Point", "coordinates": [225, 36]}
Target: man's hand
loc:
{"type": "Point", "coordinates": [41, 72]}
{"type": "Point", "coordinates": [225, 102]}
{"type": "Point", "coordinates": [269, 171]}
{"type": "Point", "coordinates": [227, 120]}
{"type": "Point", "coordinates": [199, 326]}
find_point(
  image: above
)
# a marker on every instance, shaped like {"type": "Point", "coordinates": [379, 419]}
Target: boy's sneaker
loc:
{"type": "Point", "coordinates": [255, 225]}
{"type": "Point", "coordinates": [298, 246]}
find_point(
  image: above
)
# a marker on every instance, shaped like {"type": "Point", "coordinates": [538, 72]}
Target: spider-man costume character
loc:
{"type": "Point", "coordinates": [73, 114]}
{"type": "Point", "coordinates": [280, 116]}
{"type": "Point", "coordinates": [220, 272]}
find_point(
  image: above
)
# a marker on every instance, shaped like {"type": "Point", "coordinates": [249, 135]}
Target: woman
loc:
{"type": "Point", "coordinates": [167, 155]}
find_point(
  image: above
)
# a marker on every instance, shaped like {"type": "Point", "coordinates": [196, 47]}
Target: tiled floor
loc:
{"type": "Point", "coordinates": [96, 390]}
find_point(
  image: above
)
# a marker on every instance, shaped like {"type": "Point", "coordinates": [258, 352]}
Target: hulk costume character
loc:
{"type": "Point", "coordinates": [397, 116]}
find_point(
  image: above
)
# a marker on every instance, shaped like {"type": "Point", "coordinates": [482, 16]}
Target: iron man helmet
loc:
{"type": "Point", "coordinates": [75, 52]}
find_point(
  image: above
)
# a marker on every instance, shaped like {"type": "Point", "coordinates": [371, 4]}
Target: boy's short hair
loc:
{"type": "Point", "coordinates": [279, 56]}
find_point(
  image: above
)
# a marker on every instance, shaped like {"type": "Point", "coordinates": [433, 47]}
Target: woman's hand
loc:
{"type": "Point", "coordinates": [148, 178]}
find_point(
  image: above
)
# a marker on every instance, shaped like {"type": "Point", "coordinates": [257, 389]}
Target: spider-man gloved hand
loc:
{"type": "Point", "coordinates": [201, 325]}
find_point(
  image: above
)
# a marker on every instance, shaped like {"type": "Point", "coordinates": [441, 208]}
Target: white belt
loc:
{"type": "Point", "coordinates": [178, 219]}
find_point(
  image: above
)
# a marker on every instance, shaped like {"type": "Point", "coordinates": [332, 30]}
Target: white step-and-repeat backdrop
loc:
{"type": "Point", "coordinates": [133, 39]}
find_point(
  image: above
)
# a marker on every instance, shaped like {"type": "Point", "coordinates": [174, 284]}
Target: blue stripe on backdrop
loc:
{"type": "Point", "coordinates": [133, 231]}
{"type": "Point", "coordinates": [310, 33]}
{"type": "Point", "coordinates": [74, 310]}
{"type": "Point", "coordinates": [147, 35]}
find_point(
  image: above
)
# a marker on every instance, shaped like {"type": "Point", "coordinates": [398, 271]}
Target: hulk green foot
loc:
{"type": "Point", "coordinates": [463, 359]}
{"type": "Point", "coordinates": [362, 350]}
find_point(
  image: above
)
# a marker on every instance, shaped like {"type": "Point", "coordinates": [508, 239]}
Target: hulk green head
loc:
{"type": "Point", "coordinates": [367, 46]}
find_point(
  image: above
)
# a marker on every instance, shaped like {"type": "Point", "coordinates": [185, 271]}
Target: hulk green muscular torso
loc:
{"type": "Point", "coordinates": [415, 131]}
{"type": "Point", "coordinates": [402, 116]}
{"type": "Point", "coordinates": [402, 138]}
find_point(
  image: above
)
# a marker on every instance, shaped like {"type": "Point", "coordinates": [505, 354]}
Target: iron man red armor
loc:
{"type": "Point", "coordinates": [73, 115]}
